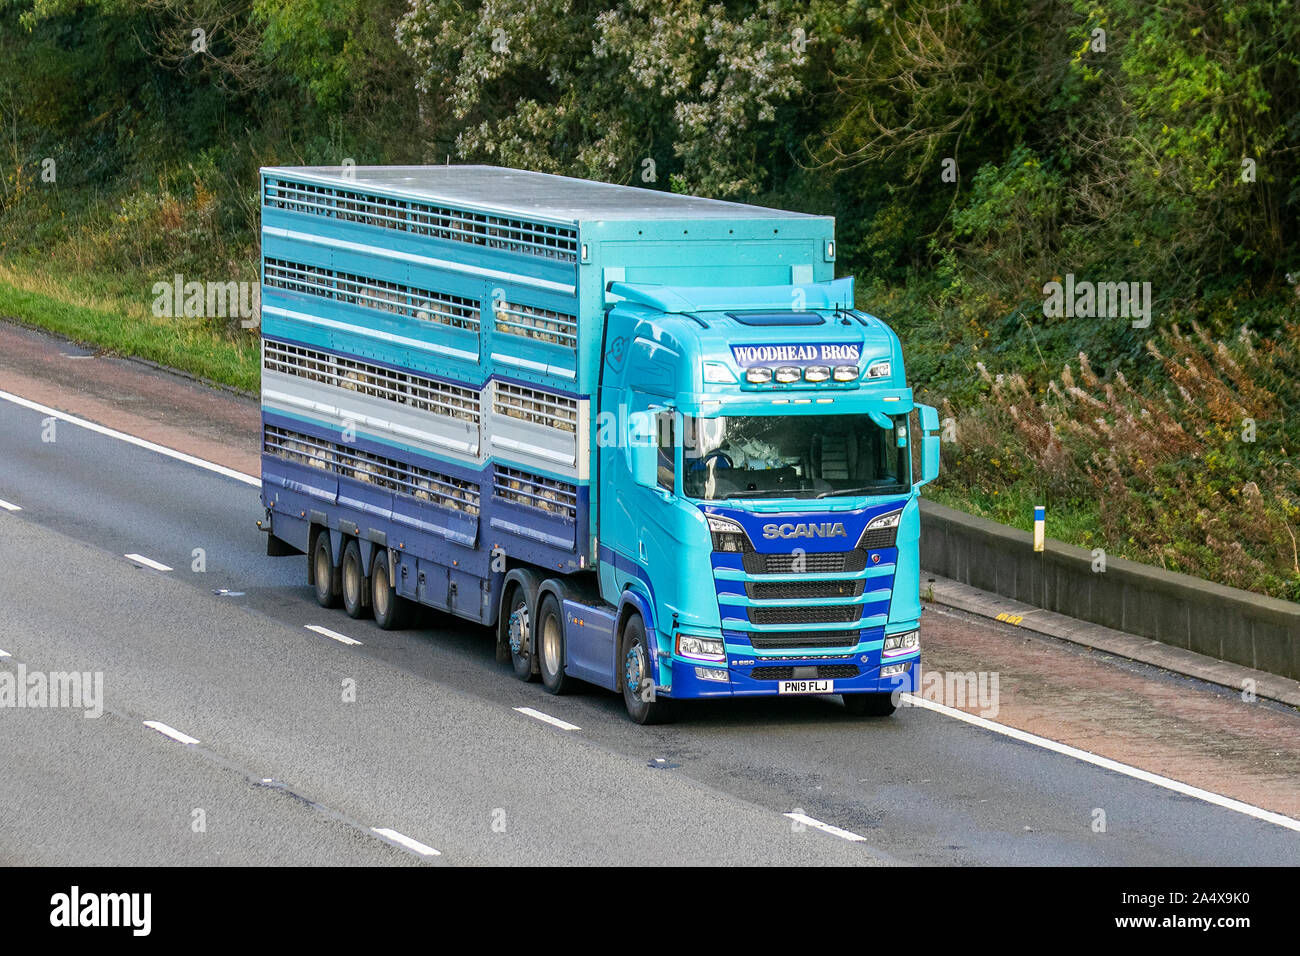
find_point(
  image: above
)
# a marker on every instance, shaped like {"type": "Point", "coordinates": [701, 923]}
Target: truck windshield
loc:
{"type": "Point", "coordinates": [805, 456]}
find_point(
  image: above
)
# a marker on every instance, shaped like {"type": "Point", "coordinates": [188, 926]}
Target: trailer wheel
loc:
{"type": "Point", "coordinates": [517, 633]}
{"type": "Point", "coordinates": [392, 611]}
{"type": "Point", "coordinates": [355, 583]}
{"type": "Point", "coordinates": [549, 639]}
{"type": "Point", "coordinates": [326, 578]}
{"type": "Point", "coordinates": [869, 705]}
{"type": "Point", "coordinates": [638, 685]}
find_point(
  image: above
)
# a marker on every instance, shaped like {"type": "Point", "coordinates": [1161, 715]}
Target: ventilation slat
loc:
{"type": "Point", "coordinates": [545, 494]}
{"type": "Point", "coordinates": [424, 219]}
{"type": "Point", "coordinates": [366, 378]}
{"type": "Point", "coordinates": [387, 473]}
{"type": "Point", "coordinates": [536, 407]}
{"type": "Point", "coordinates": [393, 297]}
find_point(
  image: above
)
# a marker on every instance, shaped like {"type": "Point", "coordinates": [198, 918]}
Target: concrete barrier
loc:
{"type": "Point", "coordinates": [1175, 609]}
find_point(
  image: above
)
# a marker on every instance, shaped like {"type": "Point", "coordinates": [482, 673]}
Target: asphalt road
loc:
{"type": "Point", "coordinates": [286, 770]}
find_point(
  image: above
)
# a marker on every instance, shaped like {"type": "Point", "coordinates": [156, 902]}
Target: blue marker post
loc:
{"type": "Point", "coordinates": [1040, 526]}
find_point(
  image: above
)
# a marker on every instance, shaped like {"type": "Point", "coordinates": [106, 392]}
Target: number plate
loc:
{"type": "Point", "coordinates": [806, 687]}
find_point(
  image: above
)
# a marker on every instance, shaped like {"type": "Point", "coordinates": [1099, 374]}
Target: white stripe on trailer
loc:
{"type": "Point", "coordinates": [332, 635]}
{"type": "Point", "coordinates": [132, 440]}
{"type": "Point", "coordinates": [547, 718]}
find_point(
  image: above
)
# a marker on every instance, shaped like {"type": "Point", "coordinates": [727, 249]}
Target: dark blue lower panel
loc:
{"type": "Point", "coordinates": [687, 686]}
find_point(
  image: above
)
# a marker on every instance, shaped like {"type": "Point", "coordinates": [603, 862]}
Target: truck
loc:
{"type": "Point", "coordinates": [646, 438]}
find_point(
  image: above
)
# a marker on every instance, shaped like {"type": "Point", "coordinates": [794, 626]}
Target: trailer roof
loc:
{"type": "Point", "coordinates": [522, 193]}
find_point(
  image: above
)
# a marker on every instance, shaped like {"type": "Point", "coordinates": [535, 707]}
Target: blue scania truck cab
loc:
{"type": "Point", "coordinates": [646, 438]}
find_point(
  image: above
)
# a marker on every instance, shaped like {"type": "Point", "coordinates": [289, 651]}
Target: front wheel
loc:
{"type": "Point", "coordinates": [869, 705]}
{"type": "Point", "coordinates": [638, 684]}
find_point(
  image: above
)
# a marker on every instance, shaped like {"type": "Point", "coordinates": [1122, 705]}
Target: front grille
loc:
{"type": "Point", "coordinates": [880, 538]}
{"type": "Point", "coordinates": [814, 562]}
{"type": "Point", "coordinates": [793, 640]}
{"type": "Point", "coordinates": [822, 672]}
{"type": "Point", "coordinates": [812, 614]}
{"type": "Point", "coordinates": [789, 590]}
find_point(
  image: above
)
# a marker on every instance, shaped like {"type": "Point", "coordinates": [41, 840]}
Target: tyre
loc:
{"type": "Point", "coordinates": [869, 705]}
{"type": "Point", "coordinates": [549, 638]}
{"type": "Point", "coordinates": [517, 634]}
{"type": "Point", "coordinates": [392, 611]}
{"type": "Point", "coordinates": [355, 584]}
{"type": "Point", "coordinates": [325, 576]}
{"type": "Point", "coordinates": [638, 687]}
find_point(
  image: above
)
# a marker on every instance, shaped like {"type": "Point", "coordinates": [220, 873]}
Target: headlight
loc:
{"type": "Point", "coordinates": [885, 521]}
{"type": "Point", "coordinates": [787, 374]}
{"type": "Point", "coordinates": [905, 643]}
{"type": "Point", "coordinates": [758, 375]}
{"type": "Point", "coordinates": [817, 373]}
{"type": "Point", "coordinates": [879, 370]}
{"type": "Point", "coordinates": [702, 648]}
{"type": "Point", "coordinates": [846, 373]}
{"type": "Point", "coordinates": [727, 535]}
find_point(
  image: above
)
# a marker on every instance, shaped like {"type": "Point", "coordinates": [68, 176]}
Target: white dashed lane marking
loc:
{"type": "Point", "coordinates": [147, 562]}
{"type": "Point", "coordinates": [171, 732]}
{"type": "Point", "coordinates": [401, 839]}
{"type": "Point", "coordinates": [547, 718]}
{"type": "Point", "coordinates": [332, 635]}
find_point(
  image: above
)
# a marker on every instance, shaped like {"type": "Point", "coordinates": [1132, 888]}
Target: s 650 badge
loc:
{"type": "Point", "coordinates": [741, 663]}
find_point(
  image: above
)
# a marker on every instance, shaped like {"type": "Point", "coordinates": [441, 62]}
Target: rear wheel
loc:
{"type": "Point", "coordinates": [325, 576]}
{"type": "Point", "coordinates": [355, 583]}
{"type": "Point", "coordinates": [392, 611]}
{"type": "Point", "coordinates": [638, 685]}
{"type": "Point", "coordinates": [550, 646]}
{"type": "Point", "coordinates": [518, 633]}
{"type": "Point", "coordinates": [869, 705]}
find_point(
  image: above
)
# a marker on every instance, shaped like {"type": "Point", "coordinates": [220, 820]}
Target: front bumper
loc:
{"type": "Point", "coordinates": [761, 677]}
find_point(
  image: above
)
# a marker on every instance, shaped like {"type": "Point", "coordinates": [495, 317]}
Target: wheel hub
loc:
{"type": "Point", "coordinates": [518, 632]}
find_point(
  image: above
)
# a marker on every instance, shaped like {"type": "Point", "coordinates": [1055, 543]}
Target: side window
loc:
{"type": "Point", "coordinates": [664, 429]}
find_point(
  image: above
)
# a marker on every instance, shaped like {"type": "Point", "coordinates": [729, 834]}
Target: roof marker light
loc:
{"type": "Point", "coordinates": [787, 373]}
{"type": "Point", "coordinates": [846, 373]}
{"type": "Point", "coordinates": [758, 375]}
{"type": "Point", "coordinates": [817, 373]}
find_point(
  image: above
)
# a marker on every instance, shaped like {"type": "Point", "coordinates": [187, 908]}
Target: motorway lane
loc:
{"type": "Point", "coordinates": [433, 746]}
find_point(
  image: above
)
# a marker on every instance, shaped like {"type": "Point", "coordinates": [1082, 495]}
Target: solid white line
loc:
{"type": "Point", "coordinates": [147, 562]}
{"type": "Point", "coordinates": [1106, 763]}
{"type": "Point", "coordinates": [9, 505]}
{"type": "Point", "coordinates": [413, 845]}
{"type": "Point", "coordinates": [827, 828]}
{"type": "Point", "coordinates": [132, 440]}
{"type": "Point", "coordinates": [333, 635]}
{"type": "Point", "coordinates": [547, 718]}
{"type": "Point", "coordinates": [171, 732]}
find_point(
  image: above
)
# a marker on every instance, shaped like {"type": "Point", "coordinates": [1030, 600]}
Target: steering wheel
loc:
{"type": "Point", "coordinates": [720, 454]}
